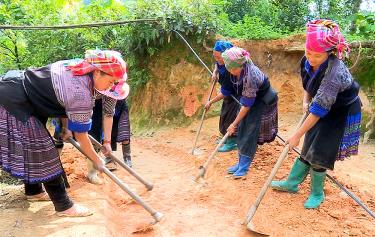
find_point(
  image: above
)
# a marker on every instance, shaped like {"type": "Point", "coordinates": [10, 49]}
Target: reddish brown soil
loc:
{"type": "Point", "coordinates": [177, 84]}
{"type": "Point", "coordinates": [214, 209]}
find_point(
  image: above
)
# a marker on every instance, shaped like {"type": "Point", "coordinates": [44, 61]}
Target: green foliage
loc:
{"type": "Point", "coordinates": [365, 70]}
{"type": "Point", "coordinates": [139, 79]}
{"type": "Point", "coordinates": [137, 42]}
{"type": "Point", "coordinates": [12, 47]}
{"type": "Point", "coordinates": [190, 17]}
{"type": "Point", "coordinates": [238, 9]}
{"type": "Point", "coordinates": [363, 30]}
{"type": "Point", "coordinates": [365, 25]}
{"type": "Point", "coordinates": [291, 15]}
{"type": "Point", "coordinates": [197, 19]}
{"type": "Point", "coordinates": [64, 44]}
{"type": "Point", "coordinates": [251, 27]}
{"type": "Point", "coordinates": [341, 11]}
{"type": "Point", "coordinates": [247, 19]}
{"type": "Point", "coordinates": [284, 17]}
{"type": "Point", "coordinates": [262, 19]}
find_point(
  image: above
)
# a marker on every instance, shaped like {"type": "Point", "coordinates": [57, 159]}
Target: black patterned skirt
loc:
{"type": "Point", "coordinates": [334, 137]}
{"type": "Point", "coordinates": [27, 151]}
{"type": "Point", "coordinates": [229, 111]}
{"type": "Point", "coordinates": [122, 112]}
{"type": "Point", "coordinates": [120, 127]}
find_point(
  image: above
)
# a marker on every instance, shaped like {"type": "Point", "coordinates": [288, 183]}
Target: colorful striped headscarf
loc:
{"type": "Point", "coordinates": [235, 57]}
{"type": "Point", "coordinates": [107, 61]}
{"type": "Point", "coordinates": [119, 91]}
{"type": "Point", "coordinates": [324, 35]}
{"type": "Point", "coordinates": [221, 46]}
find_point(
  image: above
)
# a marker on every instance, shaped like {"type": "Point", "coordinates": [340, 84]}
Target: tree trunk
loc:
{"type": "Point", "coordinates": [364, 44]}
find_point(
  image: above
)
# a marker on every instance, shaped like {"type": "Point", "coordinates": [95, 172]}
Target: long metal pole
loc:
{"type": "Point", "coordinates": [212, 88]}
{"type": "Point", "coordinates": [350, 194]}
{"type": "Point", "coordinates": [263, 191]}
{"type": "Point", "coordinates": [156, 215]}
{"type": "Point", "coordinates": [126, 167]}
{"type": "Point", "coordinates": [202, 119]}
{"type": "Point", "coordinates": [192, 50]}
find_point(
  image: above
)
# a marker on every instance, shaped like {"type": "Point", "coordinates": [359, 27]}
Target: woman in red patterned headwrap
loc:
{"type": "Point", "coordinates": [331, 97]}
{"type": "Point", "coordinates": [61, 89]}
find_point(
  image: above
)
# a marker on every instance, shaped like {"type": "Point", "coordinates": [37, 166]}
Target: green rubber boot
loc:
{"type": "Point", "coordinates": [297, 175]}
{"type": "Point", "coordinates": [316, 196]}
{"type": "Point", "coordinates": [229, 145]}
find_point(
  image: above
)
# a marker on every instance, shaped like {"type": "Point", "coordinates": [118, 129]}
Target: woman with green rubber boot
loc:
{"type": "Point", "coordinates": [332, 127]}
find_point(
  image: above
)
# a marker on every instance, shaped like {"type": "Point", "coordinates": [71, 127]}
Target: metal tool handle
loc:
{"type": "Point", "coordinates": [263, 191]}
{"type": "Point", "coordinates": [354, 197]}
{"type": "Point", "coordinates": [203, 168]}
{"type": "Point", "coordinates": [156, 215]}
{"type": "Point", "coordinates": [126, 167]}
{"type": "Point", "coordinates": [212, 88]}
{"type": "Point", "coordinates": [350, 194]}
{"type": "Point", "coordinates": [202, 118]}
{"type": "Point", "coordinates": [274, 170]}
{"type": "Point", "coordinates": [192, 50]}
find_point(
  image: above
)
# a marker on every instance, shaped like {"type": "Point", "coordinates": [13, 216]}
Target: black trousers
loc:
{"type": "Point", "coordinates": [97, 122]}
{"type": "Point", "coordinates": [56, 191]}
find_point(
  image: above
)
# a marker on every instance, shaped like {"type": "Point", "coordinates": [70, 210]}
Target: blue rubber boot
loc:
{"type": "Point", "coordinates": [234, 168]}
{"type": "Point", "coordinates": [297, 175]}
{"type": "Point", "coordinates": [316, 196]}
{"type": "Point", "coordinates": [243, 166]}
{"type": "Point", "coordinates": [229, 145]}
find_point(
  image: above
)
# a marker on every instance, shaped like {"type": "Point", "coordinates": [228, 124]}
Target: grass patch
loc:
{"type": "Point", "coordinates": [366, 116]}
{"type": "Point", "coordinates": [7, 179]}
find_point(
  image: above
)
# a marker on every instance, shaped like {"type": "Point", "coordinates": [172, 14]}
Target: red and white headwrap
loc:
{"type": "Point", "coordinates": [325, 35]}
{"type": "Point", "coordinates": [109, 62]}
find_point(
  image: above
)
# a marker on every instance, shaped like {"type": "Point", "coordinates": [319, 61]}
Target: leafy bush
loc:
{"type": "Point", "coordinates": [197, 19]}
{"type": "Point", "coordinates": [364, 25]}
{"type": "Point", "coordinates": [137, 42]}
{"type": "Point", "coordinates": [364, 71]}
{"type": "Point", "coordinates": [251, 27]}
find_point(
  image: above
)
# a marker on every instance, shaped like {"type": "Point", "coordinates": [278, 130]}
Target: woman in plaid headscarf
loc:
{"type": "Point", "coordinates": [62, 89]}
{"type": "Point", "coordinates": [257, 118]}
{"type": "Point", "coordinates": [331, 97]}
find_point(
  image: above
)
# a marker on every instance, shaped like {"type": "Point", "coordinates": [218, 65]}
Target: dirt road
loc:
{"type": "Point", "coordinates": [214, 209]}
